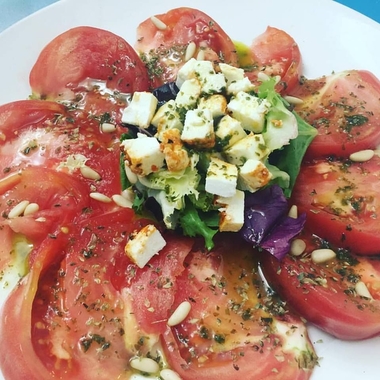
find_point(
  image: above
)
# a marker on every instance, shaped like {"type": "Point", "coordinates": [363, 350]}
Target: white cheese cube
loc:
{"type": "Point", "coordinates": [166, 118]}
{"type": "Point", "coordinates": [217, 104]}
{"type": "Point", "coordinates": [229, 131]}
{"type": "Point", "coordinates": [221, 178]}
{"type": "Point", "coordinates": [241, 85]}
{"type": "Point", "coordinates": [249, 110]}
{"type": "Point", "coordinates": [188, 95]}
{"type": "Point", "coordinates": [176, 156]}
{"type": "Point", "coordinates": [141, 109]}
{"type": "Point", "coordinates": [187, 71]}
{"type": "Point", "coordinates": [198, 129]}
{"type": "Point", "coordinates": [214, 83]}
{"type": "Point", "coordinates": [143, 154]}
{"type": "Point", "coordinates": [144, 244]}
{"type": "Point", "coordinates": [231, 73]}
{"type": "Point", "coordinates": [231, 217]}
{"type": "Point", "coordinates": [253, 175]}
{"type": "Point", "coordinates": [252, 146]}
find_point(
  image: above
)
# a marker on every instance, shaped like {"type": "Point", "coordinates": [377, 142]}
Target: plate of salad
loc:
{"type": "Point", "coordinates": [190, 191]}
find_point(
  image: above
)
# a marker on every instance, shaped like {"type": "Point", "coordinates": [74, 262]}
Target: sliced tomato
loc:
{"type": "Point", "coordinates": [345, 108]}
{"type": "Point", "coordinates": [275, 53]}
{"type": "Point", "coordinates": [84, 53]}
{"type": "Point", "coordinates": [72, 316]}
{"type": "Point", "coordinates": [164, 49]}
{"type": "Point", "coordinates": [342, 203]}
{"type": "Point", "coordinates": [234, 329]}
{"type": "Point", "coordinates": [325, 294]}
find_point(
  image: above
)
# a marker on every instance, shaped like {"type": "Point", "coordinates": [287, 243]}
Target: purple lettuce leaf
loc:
{"type": "Point", "coordinates": [266, 221]}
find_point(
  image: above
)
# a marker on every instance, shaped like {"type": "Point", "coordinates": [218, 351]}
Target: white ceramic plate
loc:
{"type": "Point", "coordinates": [331, 38]}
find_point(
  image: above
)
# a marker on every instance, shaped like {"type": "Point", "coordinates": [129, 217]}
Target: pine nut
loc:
{"type": "Point", "coordinates": [262, 77]}
{"type": "Point", "coordinates": [158, 23]}
{"type": "Point", "coordinates": [362, 290]}
{"type": "Point", "coordinates": [180, 314]}
{"type": "Point", "coordinates": [121, 201]}
{"type": "Point", "coordinates": [293, 100]}
{"type": "Point", "coordinates": [297, 247]}
{"type": "Point", "coordinates": [89, 173]}
{"type": "Point", "coordinates": [362, 155]}
{"type": "Point", "coordinates": [201, 55]}
{"type": "Point", "coordinates": [169, 374]}
{"type": "Point", "coordinates": [18, 210]}
{"type": "Point", "coordinates": [108, 127]}
{"type": "Point", "coordinates": [41, 219]}
{"type": "Point", "coordinates": [319, 256]}
{"type": "Point", "coordinates": [100, 197]}
{"type": "Point", "coordinates": [31, 208]}
{"type": "Point", "coordinates": [293, 212]}
{"type": "Point", "coordinates": [190, 51]}
{"type": "Point", "coordinates": [147, 365]}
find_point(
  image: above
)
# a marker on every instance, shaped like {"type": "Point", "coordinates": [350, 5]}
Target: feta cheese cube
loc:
{"type": "Point", "coordinates": [187, 71]}
{"type": "Point", "coordinates": [143, 154]}
{"type": "Point", "coordinates": [249, 110]}
{"type": "Point", "coordinates": [252, 146]}
{"type": "Point", "coordinates": [166, 118]}
{"type": "Point", "coordinates": [217, 104]}
{"type": "Point", "coordinates": [188, 95]}
{"type": "Point", "coordinates": [141, 109]}
{"type": "Point", "coordinates": [213, 83]}
{"type": "Point", "coordinates": [221, 178]}
{"type": "Point", "coordinates": [241, 85]}
{"type": "Point", "coordinates": [231, 73]}
{"type": "Point", "coordinates": [229, 131]}
{"type": "Point", "coordinates": [231, 217]}
{"type": "Point", "coordinates": [253, 175]}
{"type": "Point", "coordinates": [144, 244]}
{"type": "Point", "coordinates": [198, 129]}
{"type": "Point", "coordinates": [176, 156]}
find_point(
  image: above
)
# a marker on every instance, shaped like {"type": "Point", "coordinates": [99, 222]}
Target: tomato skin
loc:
{"type": "Point", "coordinates": [165, 50]}
{"type": "Point", "coordinates": [344, 107]}
{"type": "Point", "coordinates": [275, 52]}
{"type": "Point", "coordinates": [330, 304]}
{"type": "Point", "coordinates": [86, 52]}
{"type": "Point", "coordinates": [342, 203]}
{"type": "Point", "coordinates": [222, 334]}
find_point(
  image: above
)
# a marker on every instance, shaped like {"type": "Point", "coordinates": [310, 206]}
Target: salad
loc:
{"type": "Point", "coordinates": [82, 291]}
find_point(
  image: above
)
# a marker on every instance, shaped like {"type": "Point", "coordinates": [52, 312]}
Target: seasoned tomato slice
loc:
{"type": "Point", "coordinates": [342, 202]}
{"type": "Point", "coordinates": [167, 40]}
{"type": "Point", "coordinates": [345, 108]}
{"type": "Point", "coordinates": [84, 53]}
{"type": "Point", "coordinates": [234, 329]}
{"type": "Point", "coordinates": [340, 295]}
{"type": "Point", "coordinates": [274, 53]}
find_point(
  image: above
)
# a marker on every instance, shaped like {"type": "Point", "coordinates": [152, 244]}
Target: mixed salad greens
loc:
{"type": "Point", "coordinates": [181, 197]}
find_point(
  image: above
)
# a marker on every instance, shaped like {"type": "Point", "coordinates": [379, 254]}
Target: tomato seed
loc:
{"type": "Point", "coordinates": [18, 210]}
{"type": "Point", "coordinates": [180, 314]}
{"type": "Point", "coordinates": [147, 365]}
{"type": "Point", "coordinates": [362, 155]}
{"type": "Point", "coordinates": [168, 374]}
{"type": "Point", "coordinates": [158, 23]}
{"type": "Point", "coordinates": [319, 256]}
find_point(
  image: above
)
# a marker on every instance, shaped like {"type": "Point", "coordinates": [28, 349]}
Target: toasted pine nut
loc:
{"type": "Point", "coordinates": [147, 365]}
{"type": "Point", "coordinates": [158, 23]}
{"type": "Point", "coordinates": [31, 208]}
{"type": "Point", "coordinates": [169, 374]}
{"type": "Point", "coordinates": [108, 127]}
{"type": "Point", "coordinates": [297, 247]}
{"type": "Point", "coordinates": [18, 210]}
{"type": "Point", "coordinates": [121, 201]}
{"type": "Point", "coordinates": [293, 100]}
{"type": "Point", "coordinates": [100, 197]}
{"type": "Point", "coordinates": [362, 155]}
{"type": "Point", "coordinates": [89, 173]}
{"type": "Point", "coordinates": [180, 314]}
{"type": "Point", "coordinates": [322, 255]}
{"type": "Point", "coordinates": [293, 212]}
{"type": "Point", "coordinates": [201, 55]}
{"type": "Point", "coordinates": [362, 290]}
{"type": "Point", "coordinates": [190, 50]}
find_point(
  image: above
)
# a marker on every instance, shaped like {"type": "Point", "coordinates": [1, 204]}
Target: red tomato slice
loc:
{"type": "Point", "coordinates": [342, 203]}
{"type": "Point", "coordinates": [85, 53]}
{"type": "Point", "coordinates": [233, 323]}
{"type": "Point", "coordinates": [275, 52]}
{"type": "Point", "coordinates": [324, 294]}
{"type": "Point", "coordinates": [345, 108]}
{"type": "Point", "coordinates": [163, 49]}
